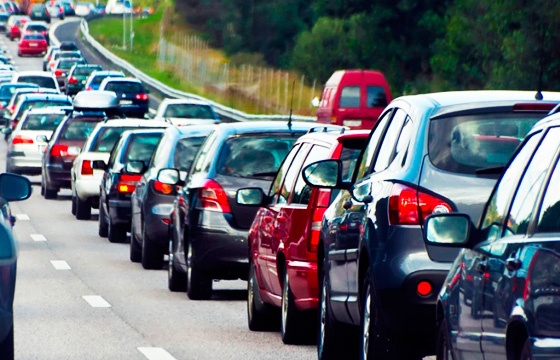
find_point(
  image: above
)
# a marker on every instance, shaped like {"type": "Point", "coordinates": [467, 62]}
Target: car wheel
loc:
{"type": "Point", "coordinates": [135, 249]}
{"type": "Point", "coordinates": [374, 340]}
{"type": "Point", "coordinates": [7, 346]}
{"type": "Point", "coordinates": [260, 316]}
{"type": "Point", "coordinates": [103, 230]}
{"type": "Point", "coordinates": [443, 347]}
{"type": "Point", "coordinates": [294, 325]}
{"type": "Point", "coordinates": [42, 187]}
{"type": "Point", "coordinates": [50, 194]}
{"type": "Point", "coordinates": [199, 285]}
{"type": "Point", "coordinates": [73, 204]}
{"type": "Point", "coordinates": [83, 209]}
{"type": "Point", "coordinates": [176, 280]}
{"type": "Point", "coordinates": [526, 352]}
{"type": "Point", "coordinates": [116, 232]}
{"type": "Point", "coordinates": [152, 256]}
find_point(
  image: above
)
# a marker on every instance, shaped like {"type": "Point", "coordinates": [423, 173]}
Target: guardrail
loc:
{"type": "Point", "coordinates": [173, 93]}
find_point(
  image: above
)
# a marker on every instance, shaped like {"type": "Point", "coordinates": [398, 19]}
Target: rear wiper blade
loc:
{"type": "Point", "coordinates": [269, 173]}
{"type": "Point", "coordinates": [495, 170]}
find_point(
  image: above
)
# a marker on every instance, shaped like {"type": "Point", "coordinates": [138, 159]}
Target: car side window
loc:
{"type": "Point", "coordinates": [302, 191]}
{"type": "Point", "coordinates": [277, 182]}
{"type": "Point", "coordinates": [201, 157]}
{"type": "Point", "coordinates": [526, 195]}
{"type": "Point", "coordinates": [549, 216]}
{"type": "Point", "coordinates": [401, 149]}
{"type": "Point", "coordinates": [497, 206]}
{"type": "Point", "coordinates": [350, 97]}
{"type": "Point", "coordinates": [291, 176]}
{"type": "Point", "coordinates": [371, 148]}
{"type": "Point", "coordinates": [387, 150]}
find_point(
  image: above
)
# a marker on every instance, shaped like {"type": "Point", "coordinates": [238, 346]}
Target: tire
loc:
{"type": "Point", "coordinates": [152, 256]}
{"type": "Point", "coordinates": [295, 325]}
{"type": "Point", "coordinates": [7, 346]}
{"type": "Point", "coordinates": [73, 205]}
{"type": "Point", "coordinates": [83, 209]}
{"type": "Point", "coordinates": [116, 232]}
{"type": "Point", "coordinates": [374, 338]}
{"type": "Point", "coordinates": [176, 280]}
{"type": "Point", "coordinates": [103, 230]}
{"type": "Point", "coordinates": [135, 249]}
{"type": "Point", "coordinates": [42, 188]}
{"type": "Point", "coordinates": [50, 194]}
{"type": "Point", "coordinates": [443, 346]}
{"type": "Point", "coordinates": [199, 285]}
{"type": "Point", "coordinates": [260, 316]}
{"type": "Point", "coordinates": [526, 352]}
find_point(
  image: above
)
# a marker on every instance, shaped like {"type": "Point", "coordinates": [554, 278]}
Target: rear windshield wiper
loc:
{"type": "Point", "coordinates": [495, 170]}
{"type": "Point", "coordinates": [269, 173]}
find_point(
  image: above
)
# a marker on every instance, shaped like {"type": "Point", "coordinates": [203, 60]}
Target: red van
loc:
{"type": "Point", "coordinates": [354, 98]}
{"type": "Point", "coordinates": [285, 233]}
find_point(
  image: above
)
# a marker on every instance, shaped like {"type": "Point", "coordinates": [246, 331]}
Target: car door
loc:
{"type": "Point", "coordinates": [467, 327]}
{"type": "Point", "coordinates": [501, 257]}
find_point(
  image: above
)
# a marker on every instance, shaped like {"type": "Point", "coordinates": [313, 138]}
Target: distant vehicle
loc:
{"type": "Point", "coordinates": [62, 67]}
{"type": "Point", "coordinates": [16, 27]}
{"type": "Point", "coordinates": [32, 44]}
{"type": "Point", "coordinates": [48, 56]}
{"type": "Point", "coordinates": [3, 21]}
{"type": "Point", "coordinates": [501, 298]}
{"type": "Point", "coordinates": [36, 27]}
{"type": "Point", "coordinates": [55, 9]}
{"type": "Point", "coordinates": [37, 100]}
{"type": "Point", "coordinates": [11, 22]}
{"type": "Point", "coordinates": [39, 11]}
{"type": "Point", "coordinates": [186, 112]}
{"type": "Point", "coordinates": [68, 46]}
{"type": "Point", "coordinates": [62, 54]}
{"type": "Point", "coordinates": [68, 6]}
{"type": "Point", "coordinates": [7, 90]}
{"type": "Point", "coordinates": [118, 7]}
{"type": "Point", "coordinates": [96, 77]}
{"type": "Point", "coordinates": [133, 97]}
{"type": "Point", "coordinates": [41, 78]}
{"type": "Point", "coordinates": [77, 76]}
{"type": "Point", "coordinates": [85, 9]}
{"type": "Point", "coordinates": [354, 98]}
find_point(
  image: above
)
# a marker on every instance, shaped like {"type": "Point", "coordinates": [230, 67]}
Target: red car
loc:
{"type": "Point", "coordinates": [284, 235]}
{"type": "Point", "coordinates": [15, 30]}
{"type": "Point", "coordinates": [32, 44]}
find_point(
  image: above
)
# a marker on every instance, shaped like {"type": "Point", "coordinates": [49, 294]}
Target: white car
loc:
{"type": "Point", "coordinates": [55, 9]}
{"type": "Point", "coordinates": [42, 78]}
{"type": "Point", "coordinates": [84, 9]}
{"type": "Point", "coordinates": [182, 112]}
{"type": "Point", "coordinates": [26, 143]}
{"type": "Point", "coordinates": [85, 179]}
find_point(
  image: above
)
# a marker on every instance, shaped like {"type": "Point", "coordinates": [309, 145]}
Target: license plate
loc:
{"type": "Point", "coordinates": [125, 102]}
{"type": "Point", "coordinates": [33, 44]}
{"type": "Point", "coordinates": [352, 122]}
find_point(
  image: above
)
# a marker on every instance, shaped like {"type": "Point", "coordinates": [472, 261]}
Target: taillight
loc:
{"type": "Point", "coordinates": [213, 197]}
{"type": "Point", "coordinates": [86, 168]}
{"type": "Point", "coordinates": [14, 28]}
{"type": "Point", "coordinates": [89, 88]}
{"type": "Point", "coordinates": [408, 206]}
{"type": "Point", "coordinates": [21, 140]}
{"type": "Point", "coordinates": [60, 10]}
{"type": "Point", "coordinates": [58, 73]}
{"type": "Point", "coordinates": [321, 202]}
{"type": "Point", "coordinates": [12, 108]}
{"type": "Point", "coordinates": [72, 80]}
{"type": "Point", "coordinates": [424, 288]}
{"type": "Point", "coordinates": [163, 188]}
{"type": "Point", "coordinates": [59, 150]}
{"type": "Point", "coordinates": [141, 97]}
{"type": "Point", "coordinates": [527, 290]}
{"type": "Point", "coordinates": [127, 183]}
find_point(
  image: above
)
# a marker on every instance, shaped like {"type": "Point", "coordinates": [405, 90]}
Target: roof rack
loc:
{"type": "Point", "coordinates": [327, 128]}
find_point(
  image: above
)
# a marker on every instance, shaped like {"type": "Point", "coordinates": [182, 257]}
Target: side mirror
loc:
{"type": "Point", "coordinates": [315, 102]}
{"type": "Point", "coordinates": [449, 230]}
{"type": "Point", "coordinates": [99, 165]}
{"type": "Point", "coordinates": [135, 167]}
{"type": "Point", "coordinates": [169, 176]}
{"type": "Point", "coordinates": [250, 196]}
{"type": "Point", "coordinates": [6, 130]}
{"type": "Point", "coordinates": [14, 187]}
{"type": "Point", "coordinates": [325, 174]}
{"type": "Point", "coordinates": [43, 138]}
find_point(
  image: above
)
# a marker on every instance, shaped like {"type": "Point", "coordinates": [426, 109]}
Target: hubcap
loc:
{"type": "Point", "coordinates": [323, 316]}
{"type": "Point", "coordinates": [250, 296]}
{"type": "Point", "coordinates": [189, 264]}
{"type": "Point", "coordinates": [285, 303]}
{"type": "Point", "coordinates": [365, 330]}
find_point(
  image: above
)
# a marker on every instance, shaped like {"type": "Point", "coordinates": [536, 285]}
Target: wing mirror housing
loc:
{"type": "Point", "coordinates": [135, 167]}
{"type": "Point", "coordinates": [325, 174]}
{"type": "Point", "coordinates": [170, 177]}
{"type": "Point", "coordinates": [14, 187]}
{"type": "Point", "coordinates": [99, 165]}
{"type": "Point", "coordinates": [6, 130]}
{"type": "Point", "coordinates": [450, 230]}
{"type": "Point", "coordinates": [43, 138]}
{"type": "Point", "coordinates": [252, 197]}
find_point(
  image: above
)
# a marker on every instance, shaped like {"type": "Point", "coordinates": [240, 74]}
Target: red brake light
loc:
{"type": "Point", "coordinates": [58, 73]}
{"type": "Point", "coordinates": [21, 140]}
{"type": "Point", "coordinates": [89, 88]}
{"type": "Point", "coordinates": [213, 197]}
{"type": "Point", "coordinates": [72, 80]}
{"type": "Point", "coordinates": [59, 150]}
{"type": "Point", "coordinates": [60, 10]}
{"type": "Point", "coordinates": [163, 188]}
{"type": "Point", "coordinates": [424, 288]}
{"type": "Point", "coordinates": [408, 206]}
{"type": "Point", "coordinates": [86, 168]}
{"type": "Point", "coordinates": [127, 183]}
{"type": "Point", "coordinates": [141, 97]}
{"type": "Point", "coordinates": [12, 108]}
{"type": "Point", "coordinates": [533, 107]}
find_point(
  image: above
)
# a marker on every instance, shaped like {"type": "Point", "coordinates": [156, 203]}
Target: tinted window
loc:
{"type": "Point", "coordinates": [204, 151]}
{"type": "Point", "coordinates": [186, 151]}
{"type": "Point", "coordinates": [67, 64]}
{"type": "Point", "coordinates": [125, 87]}
{"type": "Point", "coordinates": [141, 147]}
{"type": "Point", "coordinates": [549, 217]}
{"type": "Point", "coordinates": [8, 91]}
{"type": "Point", "coordinates": [497, 206]}
{"type": "Point", "coordinates": [42, 81]}
{"type": "Point", "coordinates": [376, 97]}
{"type": "Point", "coordinates": [66, 55]}
{"type": "Point", "coordinates": [42, 121]}
{"type": "Point", "coordinates": [85, 70]}
{"type": "Point", "coordinates": [98, 79]}
{"type": "Point", "coordinates": [302, 191]}
{"type": "Point", "coordinates": [463, 144]}
{"type": "Point", "coordinates": [526, 195]}
{"type": "Point", "coordinates": [350, 97]}
{"type": "Point", "coordinates": [78, 130]}
{"type": "Point", "coordinates": [292, 174]}
{"type": "Point", "coordinates": [36, 28]}
{"type": "Point", "coordinates": [257, 156]}
{"type": "Point", "coordinates": [189, 111]}
{"type": "Point", "coordinates": [369, 151]}
{"type": "Point", "coordinates": [275, 186]}
{"type": "Point", "coordinates": [106, 138]}
{"type": "Point", "coordinates": [387, 150]}
{"type": "Point", "coordinates": [42, 104]}
{"type": "Point", "coordinates": [33, 37]}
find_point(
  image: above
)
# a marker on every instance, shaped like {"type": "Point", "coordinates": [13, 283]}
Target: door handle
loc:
{"type": "Point", "coordinates": [513, 264]}
{"type": "Point", "coordinates": [482, 267]}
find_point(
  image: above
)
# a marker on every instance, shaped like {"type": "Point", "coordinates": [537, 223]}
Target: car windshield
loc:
{"type": "Point", "coordinates": [185, 152]}
{"type": "Point", "coordinates": [141, 147]}
{"type": "Point", "coordinates": [254, 156]}
{"type": "Point", "coordinates": [125, 87]}
{"type": "Point", "coordinates": [469, 144]}
{"type": "Point", "coordinates": [67, 64]}
{"type": "Point", "coordinates": [42, 81]}
{"type": "Point", "coordinates": [189, 111]}
{"type": "Point", "coordinates": [42, 121]}
{"type": "Point", "coordinates": [78, 130]}
{"type": "Point", "coordinates": [107, 137]}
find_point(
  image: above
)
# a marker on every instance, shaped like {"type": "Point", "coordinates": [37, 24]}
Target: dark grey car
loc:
{"type": "Point", "coordinates": [428, 154]}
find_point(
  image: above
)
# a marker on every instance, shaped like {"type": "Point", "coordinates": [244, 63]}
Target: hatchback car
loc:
{"type": "Point", "coordinates": [32, 44]}
{"type": "Point", "coordinates": [14, 30]}
{"type": "Point", "coordinates": [118, 184]}
{"type": "Point", "coordinates": [284, 237]}
{"type": "Point", "coordinates": [42, 78]}
{"type": "Point", "coordinates": [372, 257]}
{"type": "Point", "coordinates": [7, 91]}
{"type": "Point", "coordinates": [501, 297]}
{"type": "Point", "coordinates": [62, 54]}
{"type": "Point", "coordinates": [186, 112]}
{"type": "Point", "coordinates": [77, 76]}
{"type": "Point", "coordinates": [152, 201]}
{"type": "Point", "coordinates": [36, 27]}
{"type": "Point", "coordinates": [211, 229]}
{"type": "Point", "coordinates": [133, 97]}
{"type": "Point", "coordinates": [96, 77]}
{"type": "Point", "coordinates": [36, 101]}
{"type": "Point", "coordinates": [62, 68]}
{"type": "Point", "coordinates": [40, 12]}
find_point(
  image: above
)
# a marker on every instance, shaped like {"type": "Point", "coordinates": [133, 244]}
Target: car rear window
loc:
{"type": "Point", "coordinates": [257, 156]}
{"type": "Point", "coordinates": [98, 79]}
{"type": "Point", "coordinates": [350, 97]}
{"type": "Point", "coordinates": [189, 111]}
{"type": "Point", "coordinates": [42, 81]}
{"type": "Point", "coordinates": [467, 144]}
{"type": "Point", "coordinates": [107, 137]}
{"type": "Point", "coordinates": [8, 91]}
{"type": "Point", "coordinates": [185, 152]}
{"type": "Point", "coordinates": [125, 87]}
{"type": "Point", "coordinates": [67, 64]}
{"type": "Point", "coordinates": [85, 70]}
{"type": "Point", "coordinates": [47, 122]}
{"type": "Point", "coordinates": [33, 37]}
{"type": "Point", "coordinates": [36, 28]}
{"type": "Point", "coordinates": [42, 104]}
{"type": "Point", "coordinates": [70, 54]}
{"type": "Point", "coordinates": [376, 97]}
{"type": "Point", "coordinates": [78, 130]}
{"type": "Point", "coordinates": [141, 147]}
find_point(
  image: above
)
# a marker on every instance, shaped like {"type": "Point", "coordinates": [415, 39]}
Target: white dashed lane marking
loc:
{"type": "Point", "coordinates": [60, 265]}
{"type": "Point", "coordinates": [96, 301]}
{"type": "Point", "coordinates": [22, 217]}
{"type": "Point", "coordinates": [38, 237]}
{"type": "Point", "coordinates": [155, 353]}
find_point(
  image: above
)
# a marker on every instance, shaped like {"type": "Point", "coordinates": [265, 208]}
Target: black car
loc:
{"type": "Point", "coordinates": [133, 97]}
{"type": "Point", "coordinates": [209, 229]}
{"type": "Point", "coordinates": [68, 46]}
{"type": "Point", "coordinates": [152, 201]}
{"type": "Point", "coordinates": [427, 154]}
{"type": "Point", "coordinates": [501, 299]}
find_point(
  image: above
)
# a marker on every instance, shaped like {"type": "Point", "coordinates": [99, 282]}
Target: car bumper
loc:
{"type": "Point", "coordinates": [58, 177]}
{"type": "Point", "coordinates": [304, 283]}
{"type": "Point", "coordinates": [134, 109]}
{"type": "Point", "coordinates": [32, 50]}
{"type": "Point", "coordinates": [87, 188]}
{"type": "Point", "coordinates": [24, 162]}
{"type": "Point", "coordinates": [545, 348]}
{"type": "Point", "coordinates": [120, 211]}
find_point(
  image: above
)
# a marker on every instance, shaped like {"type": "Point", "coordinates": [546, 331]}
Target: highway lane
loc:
{"type": "Point", "coordinates": [135, 316]}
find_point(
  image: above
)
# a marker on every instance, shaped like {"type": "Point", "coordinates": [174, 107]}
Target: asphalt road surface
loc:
{"type": "Point", "coordinates": [79, 297]}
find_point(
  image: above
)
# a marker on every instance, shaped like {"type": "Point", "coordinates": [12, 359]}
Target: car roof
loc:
{"type": "Point", "coordinates": [168, 101]}
{"type": "Point", "coordinates": [333, 134]}
{"type": "Point", "coordinates": [106, 72]}
{"type": "Point", "coordinates": [41, 96]}
{"type": "Point", "coordinates": [124, 79]}
{"type": "Point", "coordinates": [264, 126]}
{"type": "Point", "coordinates": [49, 110]}
{"type": "Point", "coordinates": [134, 122]}
{"type": "Point", "coordinates": [21, 84]}
{"type": "Point", "coordinates": [34, 73]}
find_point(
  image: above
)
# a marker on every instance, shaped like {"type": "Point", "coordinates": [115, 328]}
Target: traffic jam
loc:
{"type": "Point", "coordinates": [419, 226]}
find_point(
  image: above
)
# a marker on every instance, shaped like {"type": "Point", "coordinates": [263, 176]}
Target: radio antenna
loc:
{"type": "Point", "coordinates": [291, 106]}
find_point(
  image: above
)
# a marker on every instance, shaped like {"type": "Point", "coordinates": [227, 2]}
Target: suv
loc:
{"type": "Point", "coordinates": [186, 112]}
{"type": "Point", "coordinates": [501, 297]}
{"type": "Point", "coordinates": [285, 232]}
{"type": "Point", "coordinates": [97, 77]}
{"type": "Point", "coordinates": [428, 154]}
{"type": "Point", "coordinates": [133, 97]}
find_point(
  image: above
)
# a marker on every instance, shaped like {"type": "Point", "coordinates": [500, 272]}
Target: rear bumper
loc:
{"type": "Point", "coordinates": [120, 211]}
{"type": "Point", "coordinates": [32, 50]}
{"type": "Point", "coordinates": [22, 161]}
{"type": "Point", "coordinates": [545, 348]}
{"type": "Point", "coordinates": [87, 188]}
{"type": "Point", "coordinates": [304, 283]}
{"type": "Point", "coordinates": [58, 177]}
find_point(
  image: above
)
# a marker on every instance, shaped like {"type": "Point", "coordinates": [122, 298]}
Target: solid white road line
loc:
{"type": "Point", "coordinates": [38, 237]}
{"type": "Point", "coordinates": [22, 217]}
{"type": "Point", "coordinates": [60, 265]}
{"type": "Point", "coordinates": [96, 301]}
{"type": "Point", "coordinates": [155, 353]}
